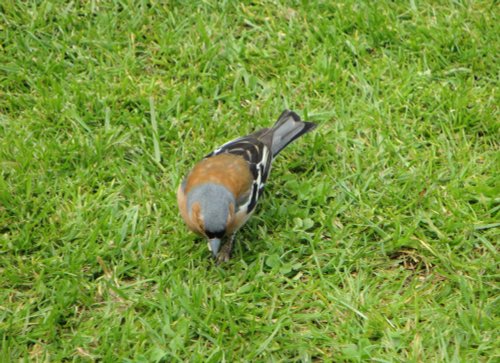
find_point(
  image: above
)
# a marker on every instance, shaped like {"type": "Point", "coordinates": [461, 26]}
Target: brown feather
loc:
{"type": "Point", "coordinates": [192, 223]}
{"type": "Point", "coordinates": [238, 221]}
{"type": "Point", "coordinates": [229, 170]}
{"type": "Point", "coordinates": [232, 171]}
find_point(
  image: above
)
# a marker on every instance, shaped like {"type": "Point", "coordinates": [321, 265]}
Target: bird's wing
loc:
{"type": "Point", "coordinates": [258, 156]}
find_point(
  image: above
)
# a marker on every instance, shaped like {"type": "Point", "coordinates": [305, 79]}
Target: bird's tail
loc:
{"type": "Point", "coordinates": [288, 128]}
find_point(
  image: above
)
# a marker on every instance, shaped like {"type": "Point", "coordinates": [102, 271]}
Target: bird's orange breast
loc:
{"type": "Point", "coordinates": [229, 170]}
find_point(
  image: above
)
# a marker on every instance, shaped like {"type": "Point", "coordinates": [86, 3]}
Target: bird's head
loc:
{"type": "Point", "coordinates": [211, 210]}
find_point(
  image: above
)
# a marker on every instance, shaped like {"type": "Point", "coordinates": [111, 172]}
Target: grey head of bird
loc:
{"type": "Point", "coordinates": [212, 208]}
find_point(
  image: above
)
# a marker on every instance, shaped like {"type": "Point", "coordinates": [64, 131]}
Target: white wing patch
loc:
{"type": "Point", "coordinates": [259, 158]}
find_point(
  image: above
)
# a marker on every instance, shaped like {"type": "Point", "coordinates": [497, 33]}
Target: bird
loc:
{"type": "Point", "coordinates": [220, 193]}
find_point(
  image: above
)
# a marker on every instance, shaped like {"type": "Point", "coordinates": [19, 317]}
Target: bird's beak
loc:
{"type": "Point", "coordinates": [214, 246]}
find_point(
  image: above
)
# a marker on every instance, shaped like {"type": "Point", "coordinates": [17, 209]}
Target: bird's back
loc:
{"type": "Point", "coordinates": [226, 169]}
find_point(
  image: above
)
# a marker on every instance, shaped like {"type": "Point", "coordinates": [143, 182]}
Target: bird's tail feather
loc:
{"type": "Point", "coordinates": [288, 128]}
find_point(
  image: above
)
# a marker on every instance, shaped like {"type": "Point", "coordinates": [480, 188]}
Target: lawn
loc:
{"type": "Point", "coordinates": [377, 236]}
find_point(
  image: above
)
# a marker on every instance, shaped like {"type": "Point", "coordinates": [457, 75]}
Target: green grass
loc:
{"type": "Point", "coordinates": [377, 237]}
